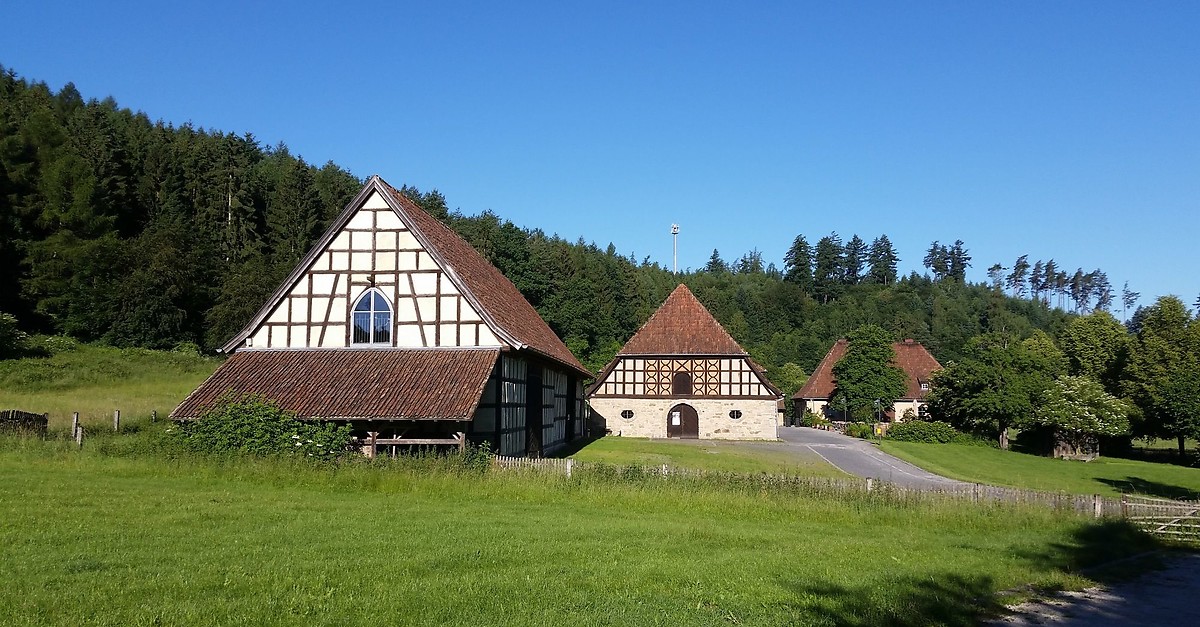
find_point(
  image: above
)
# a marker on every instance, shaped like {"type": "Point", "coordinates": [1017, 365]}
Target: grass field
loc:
{"type": "Point", "coordinates": [1107, 475]}
{"type": "Point", "coordinates": [744, 457]}
{"type": "Point", "coordinates": [94, 538]}
{"type": "Point", "coordinates": [95, 380]}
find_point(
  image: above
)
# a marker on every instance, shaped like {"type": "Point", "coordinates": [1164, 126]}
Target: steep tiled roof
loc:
{"type": "Point", "coordinates": [681, 326]}
{"type": "Point", "coordinates": [500, 301]}
{"type": "Point", "coordinates": [395, 384]}
{"type": "Point", "coordinates": [916, 362]}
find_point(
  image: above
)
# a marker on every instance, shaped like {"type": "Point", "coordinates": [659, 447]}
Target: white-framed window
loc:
{"type": "Point", "coordinates": [627, 414]}
{"type": "Point", "coordinates": [372, 320]}
{"type": "Point", "coordinates": [924, 386]}
{"type": "Point", "coordinates": [736, 414]}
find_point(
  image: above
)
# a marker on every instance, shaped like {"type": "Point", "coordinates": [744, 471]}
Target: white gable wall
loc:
{"type": "Point", "coordinates": [374, 249]}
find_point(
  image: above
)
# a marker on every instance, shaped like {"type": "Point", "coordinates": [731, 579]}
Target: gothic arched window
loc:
{"type": "Point", "coordinates": [372, 320]}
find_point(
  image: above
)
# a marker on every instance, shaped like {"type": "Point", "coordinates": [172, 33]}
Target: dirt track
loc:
{"type": "Point", "coordinates": [1164, 597]}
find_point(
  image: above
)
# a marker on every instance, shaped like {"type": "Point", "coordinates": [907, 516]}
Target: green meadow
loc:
{"type": "Point", "coordinates": [1108, 476]}
{"type": "Point", "coordinates": [743, 457]}
{"type": "Point", "coordinates": [128, 532]}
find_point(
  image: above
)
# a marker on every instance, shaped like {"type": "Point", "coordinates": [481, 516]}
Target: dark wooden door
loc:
{"type": "Point", "coordinates": [682, 422]}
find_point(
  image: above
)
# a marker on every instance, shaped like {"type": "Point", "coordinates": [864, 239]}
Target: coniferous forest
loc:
{"type": "Point", "coordinates": [120, 229]}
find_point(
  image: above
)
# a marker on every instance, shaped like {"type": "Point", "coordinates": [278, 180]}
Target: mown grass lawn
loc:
{"type": "Point", "coordinates": [95, 380]}
{"type": "Point", "coordinates": [90, 538]}
{"type": "Point", "coordinates": [1108, 476]}
{"type": "Point", "coordinates": [743, 457]}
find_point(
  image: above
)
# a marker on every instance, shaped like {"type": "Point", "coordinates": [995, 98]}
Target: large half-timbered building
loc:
{"type": "Point", "coordinates": [397, 326]}
{"type": "Point", "coordinates": [683, 376]}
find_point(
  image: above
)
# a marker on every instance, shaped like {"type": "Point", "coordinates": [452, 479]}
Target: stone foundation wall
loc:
{"type": "Point", "coordinates": [758, 421]}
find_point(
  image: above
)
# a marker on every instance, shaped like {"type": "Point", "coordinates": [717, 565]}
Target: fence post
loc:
{"type": "Point", "coordinates": [870, 484]}
{"type": "Point", "coordinates": [1097, 506]}
{"type": "Point", "coordinates": [570, 462]}
{"type": "Point", "coordinates": [116, 420]}
{"type": "Point", "coordinates": [153, 415]}
{"type": "Point", "coordinates": [664, 470]}
{"type": "Point", "coordinates": [974, 492]}
{"type": "Point", "coordinates": [79, 436]}
{"type": "Point", "coordinates": [74, 423]}
{"type": "Point", "coordinates": [1124, 506]}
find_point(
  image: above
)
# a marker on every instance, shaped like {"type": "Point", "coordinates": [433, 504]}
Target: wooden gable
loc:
{"type": "Point", "coordinates": [375, 249]}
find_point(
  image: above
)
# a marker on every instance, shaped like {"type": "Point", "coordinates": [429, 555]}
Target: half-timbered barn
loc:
{"type": "Point", "coordinates": [910, 356]}
{"type": "Point", "coordinates": [683, 376]}
{"type": "Point", "coordinates": [397, 326]}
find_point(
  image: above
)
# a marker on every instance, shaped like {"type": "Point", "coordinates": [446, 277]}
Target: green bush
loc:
{"type": "Point", "coordinates": [13, 341]}
{"type": "Point", "coordinates": [860, 430]}
{"type": "Point", "coordinates": [810, 419]}
{"type": "Point", "coordinates": [256, 426]}
{"type": "Point", "coordinates": [933, 432]}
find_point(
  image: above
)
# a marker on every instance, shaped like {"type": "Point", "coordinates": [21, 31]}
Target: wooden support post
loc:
{"type": "Point", "coordinates": [153, 415]}
{"type": "Point", "coordinates": [1124, 506]}
{"type": "Point", "coordinates": [74, 423]}
{"type": "Point", "coordinates": [116, 420]}
{"type": "Point", "coordinates": [870, 484]}
{"type": "Point", "coordinates": [1097, 506]}
{"type": "Point", "coordinates": [79, 436]}
{"type": "Point", "coordinates": [462, 441]}
{"type": "Point", "coordinates": [975, 493]}
{"type": "Point", "coordinates": [374, 436]}
{"type": "Point", "coordinates": [570, 462]}
{"type": "Point", "coordinates": [664, 470]}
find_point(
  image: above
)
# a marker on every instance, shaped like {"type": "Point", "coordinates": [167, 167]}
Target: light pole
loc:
{"type": "Point", "coordinates": [675, 248]}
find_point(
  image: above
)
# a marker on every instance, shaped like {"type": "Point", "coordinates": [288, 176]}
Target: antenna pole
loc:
{"type": "Point", "coordinates": [675, 248]}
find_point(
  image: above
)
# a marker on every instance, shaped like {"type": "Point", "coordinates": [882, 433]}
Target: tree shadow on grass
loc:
{"type": "Point", "coordinates": [1137, 485]}
{"type": "Point", "coordinates": [961, 598]}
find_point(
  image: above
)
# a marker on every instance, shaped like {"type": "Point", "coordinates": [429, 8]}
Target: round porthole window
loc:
{"type": "Point", "coordinates": [735, 414]}
{"type": "Point", "coordinates": [627, 414]}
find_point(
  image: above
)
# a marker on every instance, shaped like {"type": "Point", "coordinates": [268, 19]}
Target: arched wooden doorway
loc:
{"type": "Point", "coordinates": [682, 422]}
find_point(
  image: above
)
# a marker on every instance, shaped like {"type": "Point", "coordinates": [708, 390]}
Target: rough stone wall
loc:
{"type": "Point", "coordinates": [758, 421]}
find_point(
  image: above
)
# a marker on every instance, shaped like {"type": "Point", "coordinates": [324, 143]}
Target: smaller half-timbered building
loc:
{"type": "Point", "coordinates": [910, 356]}
{"type": "Point", "coordinates": [683, 376]}
{"type": "Point", "coordinates": [396, 326]}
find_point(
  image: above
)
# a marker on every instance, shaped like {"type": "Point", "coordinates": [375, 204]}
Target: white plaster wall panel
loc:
{"type": "Point", "coordinates": [406, 262]}
{"type": "Point", "coordinates": [445, 285]}
{"type": "Point", "coordinates": [337, 310]}
{"type": "Point", "coordinates": [449, 308]}
{"type": "Point", "coordinates": [430, 331]}
{"type": "Point", "coordinates": [300, 310]}
{"type": "Point", "coordinates": [322, 283]}
{"type": "Point", "coordinates": [385, 241]}
{"type": "Point", "coordinates": [280, 313]}
{"type": "Point", "coordinates": [449, 335]}
{"type": "Point", "coordinates": [468, 313]}
{"type": "Point", "coordinates": [424, 261]}
{"type": "Point", "coordinates": [298, 336]}
{"type": "Point", "coordinates": [363, 220]}
{"type": "Point", "coordinates": [424, 283]}
{"type": "Point", "coordinates": [361, 262]}
{"type": "Point", "coordinates": [389, 220]}
{"type": "Point", "coordinates": [409, 336]}
{"type": "Point", "coordinates": [385, 262]}
{"type": "Point", "coordinates": [259, 339]}
{"type": "Point", "coordinates": [319, 307]}
{"type": "Point", "coordinates": [406, 310]}
{"type": "Point", "coordinates": [375, 201]}
{"type": "Point", "coordinates": [405, 240]}
{"type": "Point", "coordinates": [486, 337]}
{"type": "Point", "coordinates": [339, 262]}
{"type": "Point", "coordinates": [341, 242]}
{"type": "Point", "coordinates": [427, 308]}
{"type": "Point", "coordinates": [335, 336]}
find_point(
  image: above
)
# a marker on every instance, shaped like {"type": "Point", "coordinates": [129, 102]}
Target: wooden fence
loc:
{"type": "Point", "coordinates": [1179, 520]}
{"type": "Point", "coordinates": [17, 421]}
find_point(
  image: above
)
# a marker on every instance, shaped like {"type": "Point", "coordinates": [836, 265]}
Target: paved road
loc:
{"type": "Point", "coordinates": [1165, 597]}
{"type": "Point", "coordinates": [860, 457]}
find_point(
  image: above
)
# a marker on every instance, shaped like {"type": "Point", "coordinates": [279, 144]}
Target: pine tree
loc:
{"type": "Point", "coordinates": [715, 264]}
{"type": "Point", "coordinates": [855, 258]}
{"type": "Point", "coordinates": [937, 259]}
{"type": "Point", "coordinates": [1016, 279]}
{"type": "Point", "coordinates": [797, 264]}
{"type": "Point", "coordinates": [996, 274]}
{"type": "Point", "coordinates": [827, 268]}
{"type": "Point", "coordinates": [1129, 298]}
{"type": "Point", "coordinates": [960, 260]}
{"type": "Point", "coordinates": [1035, 280]}
{"type": "Point", "coordinates": [882, 261]}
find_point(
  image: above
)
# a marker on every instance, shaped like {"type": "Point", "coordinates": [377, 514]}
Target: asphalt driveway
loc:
{"type": "Point", "coordinates": [860, 457]}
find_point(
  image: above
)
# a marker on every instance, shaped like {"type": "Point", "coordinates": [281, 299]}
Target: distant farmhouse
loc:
{"type": "Point", "coordinates": [682, 376]}
{"type": "Point", "coordinates": [396, 326]}
{"type": "Point", "coordinates": [911, 357]}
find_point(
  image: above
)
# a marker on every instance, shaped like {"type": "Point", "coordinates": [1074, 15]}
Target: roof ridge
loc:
{"type": "Point", "coordinates": [682, 325]}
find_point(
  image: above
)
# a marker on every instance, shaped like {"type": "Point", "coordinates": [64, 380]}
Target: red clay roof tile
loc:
{"type": "Point", "coordinates": [388, 384]}
{"type": "Point", "coordinates": [682, 326]}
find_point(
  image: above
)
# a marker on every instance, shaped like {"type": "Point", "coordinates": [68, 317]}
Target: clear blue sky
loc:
{"type": "Point", "coordinates": [1056, 129]}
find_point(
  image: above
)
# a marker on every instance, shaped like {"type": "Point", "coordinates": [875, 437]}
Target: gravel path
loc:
{"type": "Point", "coordinates": [1164, 597]}
{"type": "Point", "coordinates": [860, 457]}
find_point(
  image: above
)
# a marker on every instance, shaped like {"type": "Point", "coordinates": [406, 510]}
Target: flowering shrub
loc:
{"type": "Point", "coordinates": [257, 426]}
